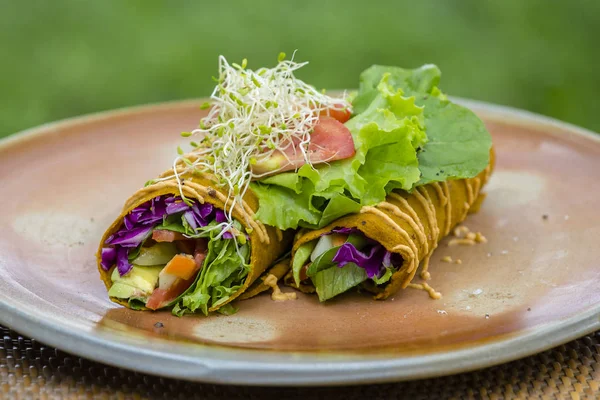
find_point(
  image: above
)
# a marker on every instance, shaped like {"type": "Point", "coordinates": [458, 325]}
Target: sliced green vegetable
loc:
{"type": "Point", "coordinates": [159, 253]}
{"type": "Point", "coordinates": [389, 271]}
{"type": "Point", "coordinates": [139, 282]}
{"type": "Point", "coordinates": [122, 291]}
{"type": "Point", "coordinates": [334, 281]}
{"type": "Point", "coordinates": [300, 258]}
{"type": "Point", "coordinates": [325, 259]}
{"type": "Point", "coordinates": [228, 309]}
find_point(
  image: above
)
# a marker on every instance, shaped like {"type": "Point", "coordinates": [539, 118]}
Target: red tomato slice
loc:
{"type": "Point", "coordinates": [161, 298]}
{"type": "Point", "coordinates": [163, 235]}
{"type": "Point", "coordinates": [341, 115]}
{"type": "Point", "coordinates": [329, 141]}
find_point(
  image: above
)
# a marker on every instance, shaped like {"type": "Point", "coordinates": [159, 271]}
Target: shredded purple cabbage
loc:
{"type": "Point", "coordinates": [123, 264]}
{"type": "Point", "coordinates": [132, 237]}
{"type": "Point", "coordinates": [373, 259]}
{"type": "Point", "coordinates": [176, 207]}
{"type": "Point", "coordinates": [109, 256]}
{"type": "Point", "coordinates": [220, 216]}
{"type": "Point", "coordinates": [141, 221]}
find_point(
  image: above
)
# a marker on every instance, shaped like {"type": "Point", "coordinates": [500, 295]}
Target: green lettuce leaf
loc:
{"type": "Point", "coordinates": [387, 275]}
{"type": "Point", "coordinates": [406, 133]}
{"type": "Point", "coordinates": [458, 143]}
{"type": "Point", "coordinates": [223, 274]}
{"type": "Point", "coordinates": [333, 281]}
{"type": "Point", "coordinates": [388, 132]}
{"type": "Point", "coordinates": [284, 208]}
{"type": "Point", "coordinates": [301, 258]}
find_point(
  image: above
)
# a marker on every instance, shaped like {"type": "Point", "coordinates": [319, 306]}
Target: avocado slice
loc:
{"type": "Point", "coordinates": [122, 291]}
{"type": "Point", "coordinates": [158, 254]}
{"type": "Point", "coordinates": [139, 282]}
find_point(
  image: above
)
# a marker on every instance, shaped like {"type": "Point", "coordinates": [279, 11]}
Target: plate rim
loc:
{"type": "Point", "coordinates": [285, 368]}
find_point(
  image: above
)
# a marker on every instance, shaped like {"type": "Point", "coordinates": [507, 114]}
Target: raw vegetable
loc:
{"type": "Point", "coordinates": [158, 254]}
{"type": "Point", "coordinates": [182, 266]}
{"type": "Point", "coordinates": [188, 237]}
{"type": "Point", "coordinates": [342, 266]}
{"type": "Point", "coordinates": [329, 141]}
{"type": "Point", "coordinates": [223, 274]}
{"type": "Point", "coordinates": [406, 133]}
{"type": "Point", "coordinates": [333, 281]}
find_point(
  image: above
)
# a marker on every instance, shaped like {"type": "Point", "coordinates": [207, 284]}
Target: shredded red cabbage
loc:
{"type": "Point", "coordinates": [123, 264]}
{"type": "Point", "coordinates": [373, 259]}
{"type": "Point", "coordinates": [108, 256]}
{"type": "Point", "coordinates": [176, 207]}
{"type": "Point", "coordinates": [132, 237]}
{"type": "Point", "coordinates": [141, 221]}
{"type": "Point", "coordinates": [220, 216]}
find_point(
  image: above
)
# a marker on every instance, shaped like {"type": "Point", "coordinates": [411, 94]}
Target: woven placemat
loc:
{"type": "Point", "coordinates": [31, 370]}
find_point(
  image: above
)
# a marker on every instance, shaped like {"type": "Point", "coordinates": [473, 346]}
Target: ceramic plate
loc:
{"type": "Point", "coordinates": [534, 285]}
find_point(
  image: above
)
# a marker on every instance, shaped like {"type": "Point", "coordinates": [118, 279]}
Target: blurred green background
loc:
{"type": "Point", "coordinates": [65, 57]}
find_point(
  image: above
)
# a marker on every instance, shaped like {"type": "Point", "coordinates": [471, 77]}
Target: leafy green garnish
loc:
{"type": "Point", "coordinates": [458, 143]}
{"type": "Point", "coordinates": [406, 133]}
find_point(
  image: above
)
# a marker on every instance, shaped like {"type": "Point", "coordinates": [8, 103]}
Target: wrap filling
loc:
{"type": "Point", "coordinates": [171, 253]}
{"type": "Point", "coordinates": [342, 259]}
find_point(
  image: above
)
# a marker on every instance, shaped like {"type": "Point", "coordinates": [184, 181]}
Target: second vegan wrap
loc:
{"type": "Point", "coordinates": [381, 247]}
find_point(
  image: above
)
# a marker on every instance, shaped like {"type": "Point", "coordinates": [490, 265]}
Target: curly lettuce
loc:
{"type": "Point", "coordinates": [406, 133]}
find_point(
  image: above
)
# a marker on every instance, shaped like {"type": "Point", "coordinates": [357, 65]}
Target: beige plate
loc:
{"type": "Point", "coordinates": [534, 285]}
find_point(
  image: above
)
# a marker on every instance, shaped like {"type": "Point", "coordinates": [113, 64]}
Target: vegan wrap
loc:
{"type": "Point", "coordinates": [380, 248]}
{"type": "Point", "coordinates": [166, 253]}
{"type": "Point", "coordinates": [192, 240]}
{"type": "Point", "coordinates": [275, 154]}
{"type": "Point", "coordinates": [369, 220]}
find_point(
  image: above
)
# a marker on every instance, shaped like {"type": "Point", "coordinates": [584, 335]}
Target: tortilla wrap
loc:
{"type": "Point", "coordinates": [267, 244]}
{"type": "Point", "coordinates": [410, 224]}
